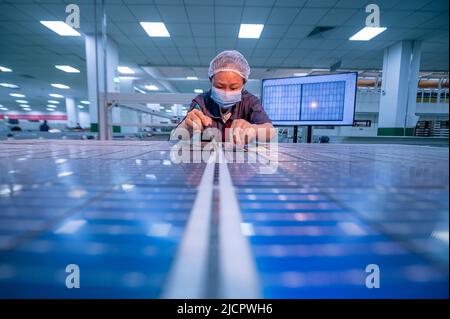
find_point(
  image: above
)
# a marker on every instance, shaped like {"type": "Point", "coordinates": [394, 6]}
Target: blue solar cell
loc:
{"type": "Point", "coordinates": [120, 212]}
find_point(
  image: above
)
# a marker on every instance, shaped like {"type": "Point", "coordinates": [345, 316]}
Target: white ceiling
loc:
{"type": "Point", "coordinates": [201, 28]}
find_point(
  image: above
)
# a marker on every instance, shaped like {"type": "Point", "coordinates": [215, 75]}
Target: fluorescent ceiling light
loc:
{"type": "Point", "coordinates": [169, 111]}
{"type": "Point", "coordinates": [17, 94]}
{"type": "Point", "coordinates": [67, 68]}
{"type": "Point", "coordinates": [58, 96]}
{"type": "Point", "coordinates": [4, 69]}
{"type": "Point", "coordinates": [139, 90]}
{"type": "Point", "coordinates": [24, 105]}
{"type": "Point", "coordinates": [155, 29]}
{"type": "Point", "coordinates": [80, 106]}
{"type": "Point", "coordinates": [198, 91]}
{"type": "Point", "coordinates": [26, 109]}
{"type": "Point", "coordinates": [151, 87]}
{"type": "Point", "coordinates": [250, 31]}
{"type": "Point", "coordinates": [3, 108]}
{"type": "Point", "coordinates": [61, 28]}
{"type": "Point", "coordinates": [127, 77]}
{"type": "Point", "coordinates": [125, 70]}
{"type": "Point", "coordinates": [21, 101]}
{"type": "Point", "coordinates": [49, 109]}
{"type": "Point", "coordinates": [84, 102]}
{"type": "Point", "coordinates": [191, 78]}
{"type": "Point", "coordinates": [300, 74]}
{"type": "Point", "coordinates": [367, 33]}
{"type": "Point", "coordinates": [51, 105]}
{"type": "Point", "coordinates": [9, 85]}
{"type": "Point", "coordinates": [60, 86]}
{"type": "Point", "coordinates": [53, 101]}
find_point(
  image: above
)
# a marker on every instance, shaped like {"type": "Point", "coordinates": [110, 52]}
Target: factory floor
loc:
{"type": "Point", "coordinates": [300, 221]}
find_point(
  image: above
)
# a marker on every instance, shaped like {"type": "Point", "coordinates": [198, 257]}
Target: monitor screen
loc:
{"type": "Point", "coordinates": [311, 100]}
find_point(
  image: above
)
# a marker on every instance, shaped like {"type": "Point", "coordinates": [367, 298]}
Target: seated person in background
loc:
{"type": "Point", "coordinates": [15, 128]}
{"type": "Point", "coordinates": [44, 127]}
{"type": "Point", "coordinates": [228, 105]}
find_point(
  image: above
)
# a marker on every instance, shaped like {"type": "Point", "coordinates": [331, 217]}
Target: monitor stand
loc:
{"type": "Point", "coordinates": [295, 136]}
{"type": "Point", "coordinates": [308, 135]}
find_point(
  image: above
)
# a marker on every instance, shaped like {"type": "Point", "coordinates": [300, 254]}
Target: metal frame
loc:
{"type": "Point", "coordinates": [132, 101]}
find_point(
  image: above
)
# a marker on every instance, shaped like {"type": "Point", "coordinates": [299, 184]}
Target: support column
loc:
{"type": "Point", "coordinates": [127, 115]}
{"type": "Point", "coordinates": [71, 110]}
{"type": "Point", "coordinates": [399, 88]}
{"type": "Point", "coordinates": [96, 85]}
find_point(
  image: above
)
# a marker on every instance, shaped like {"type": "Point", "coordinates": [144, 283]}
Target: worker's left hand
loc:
{"type": "Point", "coordinates": [242, 132]}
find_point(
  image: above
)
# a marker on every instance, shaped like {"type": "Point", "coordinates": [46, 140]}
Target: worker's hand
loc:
{"type": "Point", "coordinates": [197, 120]}
{"type": "Point", "coordinates": [242, 132]}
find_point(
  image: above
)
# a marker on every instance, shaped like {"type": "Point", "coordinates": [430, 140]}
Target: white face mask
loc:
{"type": "Point", "coordinates": [225, 99]}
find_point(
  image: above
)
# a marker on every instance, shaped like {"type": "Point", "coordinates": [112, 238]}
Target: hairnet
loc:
{"type": "Point", "coordinates": [232, 61]}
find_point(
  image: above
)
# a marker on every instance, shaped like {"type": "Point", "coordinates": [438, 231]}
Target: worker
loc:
{"type": "Point", "coordinates": [44, 127]}
{"type": "Point", "coordinates": [237, 114]}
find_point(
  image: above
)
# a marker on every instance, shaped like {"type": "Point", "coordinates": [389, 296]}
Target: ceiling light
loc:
{"type": "Point", "coordinates": [9, 85]}
{"type": "Point", "coordinates": [127, 77]}
{"type": "Point", "coordinates": [53, 101]}
{"type": "Point", "coordinates": [125, 70]}
{"type": "Point", "coordinates": [191, 78]}
{"type": "Point", "coordinates": [3, 108]}
{"type": "Point", "coordinates": [4, 69]}
{"type": "Point", "coordinates": [198, 91]}
{"type": "Point", "coordinates": [300, 74]}
{"type": "Point", "coordinates": [61, 28]}
{"type": "Point", "coordinates": [58, 96]}
{"type": "Point", "coordinates": [67, 68]}
{"type": "Point", "coordinates": [51, 105]}
{"type": "Point", "coordinates": [155, 29]}
{"type": "Point", "coordinates": [84, 102]}
{"type": "Point", "coordinates": [24, 105]}
{"type": "Point", "coordinates": [250, 31]}
{"type": "Point", "coordinates": [80, 106]}
{"type": "Point", "coordinates": [151, 87]}
{"type": "Point", "coordinates": [17, 94]}
{"type": "Point", "coordinates": [367, 33]}
{"type": "Point", "coordinates": [139, 90]}
{"type": "Point", "coordinates": [49, 109]}
{"type": "Point", "coordinates": [21, 101]}
{"type": "Point", "coordinates": [60, 86]}
{"type": "Point", "coordinates": [27, 109]}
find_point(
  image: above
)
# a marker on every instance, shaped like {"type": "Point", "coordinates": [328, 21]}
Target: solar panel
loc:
{"type": "Point", "coordinates": [311, 100]}
{"type": "Point", "coordinates": [316, 224]}
{"type": "Point", "coordinates": [122, 212]}
{"type": "Point", "coordinates": [116, 211]}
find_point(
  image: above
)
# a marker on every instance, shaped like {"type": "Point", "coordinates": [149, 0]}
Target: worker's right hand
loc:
{"type": "Point", "coordinates": [197, 120]}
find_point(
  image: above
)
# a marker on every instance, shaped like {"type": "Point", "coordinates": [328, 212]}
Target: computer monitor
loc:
{"type": "Point", "coordinates": [311, 100]}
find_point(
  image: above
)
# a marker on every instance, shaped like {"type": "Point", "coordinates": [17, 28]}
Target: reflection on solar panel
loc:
{"type": "Point", "coordinates": [117, 211]}
{"type": "Point", "coordinates": [127, 216]}
{"type": "Point", "coordinates": [330, 211]}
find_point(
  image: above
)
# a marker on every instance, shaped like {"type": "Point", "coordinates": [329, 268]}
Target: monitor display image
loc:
{"type": "Point", "coordinates": [311, 100]}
